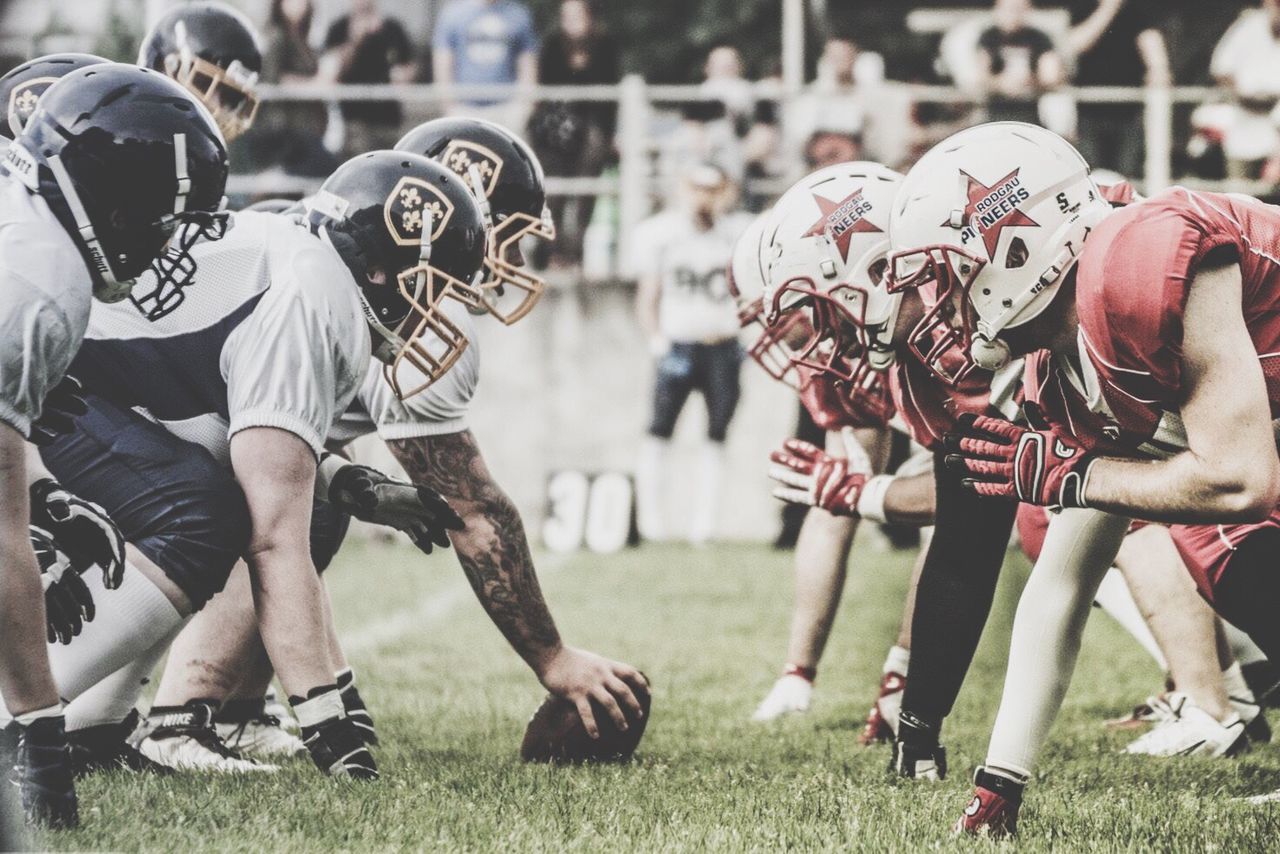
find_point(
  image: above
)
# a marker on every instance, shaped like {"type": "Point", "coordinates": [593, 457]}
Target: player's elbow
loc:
{"type": "Point", "coordinates": [1251, 493]}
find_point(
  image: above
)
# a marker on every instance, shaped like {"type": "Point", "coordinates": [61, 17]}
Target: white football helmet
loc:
{"type": "Point", "coordinates": [824, 252]}
{"type": "Point", "coordinates": [989, 222]}
{"type": "Point", "coordinates": [745, 280]}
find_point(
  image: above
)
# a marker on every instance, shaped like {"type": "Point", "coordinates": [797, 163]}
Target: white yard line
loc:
{"type": "Point", "coordinates": [431, 610]}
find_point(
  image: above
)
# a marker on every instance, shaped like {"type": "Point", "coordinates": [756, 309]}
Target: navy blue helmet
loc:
{"type": "Point", "coordinates": [132, 166]}
{"type": "Point", "coordinates": [21, 88]}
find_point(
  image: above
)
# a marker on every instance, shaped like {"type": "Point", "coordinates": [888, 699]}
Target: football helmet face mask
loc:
{"type": "Point", "coordinates": [824, 252]}
{"type": "Point", "coordinates": [987, 225]}
{"type": "Point", "coordinates": [21, 88]}
{"type": "Point", "coordinates": [213, 51]}
{"type": "Point", "coordinates": [413, 237]}
{"type": "Point", "coordinates": [126, 160]}
{"type": "Point", "coordinates": [506, 177]}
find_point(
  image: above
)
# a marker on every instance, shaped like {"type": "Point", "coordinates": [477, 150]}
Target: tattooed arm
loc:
{"type": "Point", "coordinates": [494, 553]}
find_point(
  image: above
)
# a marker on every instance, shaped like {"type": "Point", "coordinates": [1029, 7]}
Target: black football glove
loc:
{"type": "Point", "coordinates": [332, 738]}
{"type": "Point", "coordinates": [371, 496]}
{"type": "Point", "coordinates": [68, 604]}
{"type": "Point", "coordinates": [917, 755]}
{"type": "Point", "coordinates": [62, 406]}
{"type": "Point", "coordinates": [82, 529]}
{"type": "Point", "coordinates": [43, 774]}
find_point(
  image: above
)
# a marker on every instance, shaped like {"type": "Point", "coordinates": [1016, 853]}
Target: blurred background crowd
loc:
{"type": "Point", "coordinates": [621, 99]}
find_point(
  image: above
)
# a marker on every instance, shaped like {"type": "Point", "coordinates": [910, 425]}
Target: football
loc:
{"type": "Point", "coordinates": [556, 734]}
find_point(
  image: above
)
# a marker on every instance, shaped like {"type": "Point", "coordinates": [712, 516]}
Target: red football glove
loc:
{"type": "Point", "coordinates": [809, 475]}
{"type": "Point", "coordinates": [1044, 465]}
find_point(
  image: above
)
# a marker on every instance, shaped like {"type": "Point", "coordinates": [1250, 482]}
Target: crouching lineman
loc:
{"type": "Point", "coordinates": [208, 408]}
{"type": "Point", "coordinates": [112, 161]}
{"type": "Point", "coordinates": [1168, 402]}
{"type": "Point", "coordinates": [219, 656]}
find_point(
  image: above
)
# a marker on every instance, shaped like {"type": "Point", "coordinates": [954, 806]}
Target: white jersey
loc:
{"type": "Point", "coordinates": [438, 410]}
{"type": "Point", "coordinates": [270, 334]}
{"type": "Point", "coordinates": [45, 294]}
{"type": "Point", "coordinates": [695, 304]}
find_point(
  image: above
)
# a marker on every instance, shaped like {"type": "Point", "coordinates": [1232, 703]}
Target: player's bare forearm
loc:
{"type": "Point", "coordinates": [1231, 472]}
{"type": "Point", "coordinates": [493, 548]}
{"type": "Point", "coordinates": [25, 679]}
{"type": "Point", "coordinates": [910, 500]}
{"type": "Point", "coordinates": [276, 469]}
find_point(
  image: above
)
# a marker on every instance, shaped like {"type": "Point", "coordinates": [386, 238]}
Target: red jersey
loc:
{"type": "Point", "coordinates": [1131, 290]}
{"type": "Point", "coordinates": [929, 409]}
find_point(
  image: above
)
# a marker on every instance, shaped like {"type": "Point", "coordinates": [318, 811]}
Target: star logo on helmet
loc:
{"type": "Point", "coordinates": [412, 207]}
{"type": "Point", "coordinates": [842, 220]}
{"type": "Point", "coordinates": [989, 210]}
{"type": "Point", "coordinates": [461, 156]}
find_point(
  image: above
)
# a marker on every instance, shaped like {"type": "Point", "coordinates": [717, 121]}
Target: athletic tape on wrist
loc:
{"type": "Point", "coordinates": [871, 500]}
{"type": "Point", "coordinates": [28, 718]}
{"type": "Point", "coordinates": [319, 709]}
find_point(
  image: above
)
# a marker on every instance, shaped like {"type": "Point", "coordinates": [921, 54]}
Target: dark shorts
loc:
{"type": "Point", "coordinates": [712, 369]}
{"type": "Point", "coordinates": [170, 497]}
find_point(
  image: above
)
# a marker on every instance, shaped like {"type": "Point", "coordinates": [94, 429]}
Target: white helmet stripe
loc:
{"type": "Point", "coordinates": [180, 170]}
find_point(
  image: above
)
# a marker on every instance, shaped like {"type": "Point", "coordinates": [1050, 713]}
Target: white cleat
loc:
{"type": "Point", "coordinates": [185, 739]}
{"type": "Point", "coordinates": [278, 710]}
{"type": "Point", "coordinates": [261, 738]}
{"type": "Point", "coordinates": [790, 695]}
{"type": "Point", "coordinates": [1194, 732]}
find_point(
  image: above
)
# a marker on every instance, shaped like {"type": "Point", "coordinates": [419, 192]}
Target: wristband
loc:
{"type": "Point", "coordinates": [808, 674]}
{"type": "Point", "coordinates": [871, 499]}
{"type": "Point", "coordinates": [28, 718]}
{"type": "Point", "coordinates": [330, 465]}
{"type": "Point", "coordinates": [323, 704]}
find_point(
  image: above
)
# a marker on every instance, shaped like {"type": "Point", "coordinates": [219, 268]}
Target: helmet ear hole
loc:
{"type": "Point", "coordinates": [1017, 255]}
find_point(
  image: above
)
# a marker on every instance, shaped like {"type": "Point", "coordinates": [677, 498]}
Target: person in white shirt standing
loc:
{"type": "Point", "coordinates": [691, 321]}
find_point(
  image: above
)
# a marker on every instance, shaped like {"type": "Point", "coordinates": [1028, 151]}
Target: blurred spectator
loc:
{"type": "Point", "coordinates": [1016, 63]}
{"type": "Point", "coordinates": [575, 139]}
{"type": "Point", "coordinates": [851, 100]}
{"type": "Point", "coordinates": [724, 80]}
{"type": "Point", "coordinates": [704, 135]}
{"type": "Point", "coordinates": [1246, 63]}
{"type": "Point", "coordinates": [290, 132]}
{"type": "Point", "coordinates": [691, 322]}
{"type": "Point", "coordinates": [367, 47]}
{"type": "Point", "coordinates": [1116, 43]}
{"type": "Point", "coordinates": [485, 42]}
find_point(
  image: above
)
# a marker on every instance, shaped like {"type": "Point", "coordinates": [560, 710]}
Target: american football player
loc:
{"type": "Point", "coordinates": [428, 435]}
{"type": "Point", "coordinates": [239, 389]}
{"type": "Point", "coordinates": [113, 162]}
{"type": "Point", "coordinates": [1176, 386]}
{"type": "Point", "coordinates": [214, 51]}
{"type": "Point", "coordinates": [792, 235]}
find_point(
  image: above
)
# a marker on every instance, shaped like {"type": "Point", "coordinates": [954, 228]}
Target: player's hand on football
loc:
{"type": "Point", "coordinates": [82, 530]}
{"type": "Point", "coordinates": [806, 474]}
{"type": "Point", "coordinates": [68, 604]}
{"type": "Point", "coordinates": [419, 511]}
{"type": "Point", "coordinates": [62, 406]}
{"type": "Point", "coordinates": [581, 677]}
{"type": "Point", "coordinates": [1041, 464]}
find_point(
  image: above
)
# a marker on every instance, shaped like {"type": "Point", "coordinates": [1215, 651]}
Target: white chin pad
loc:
{"type": "Point", "coordinates": [989, 355]}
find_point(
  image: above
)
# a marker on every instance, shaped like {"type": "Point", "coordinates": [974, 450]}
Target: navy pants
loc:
{"type": "Point", "coordinates": [170, 497]}
{"type": "Point", "coordinates": [712, 369]}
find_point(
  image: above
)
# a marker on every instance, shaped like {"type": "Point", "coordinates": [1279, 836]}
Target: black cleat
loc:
{"type": "Point", "coordinates": [106, 747]}
{"type": "Point", "coordinates": [43, 771]}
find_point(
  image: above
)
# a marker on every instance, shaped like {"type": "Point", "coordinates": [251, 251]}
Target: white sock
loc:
{"type": "Point", "coordinates": [651, 469]}
{"type": "Point", "coordinates": [896, 661]}
{"type": "Point", "coordinates": [1245, 650]}
{"type": "Point", "coordinates": [130, 621]}
{"type": "Point", "coordinates": [1115, 598]}
{"type": "Point", "coordinates": [710, 475]}
{"type": "Point", "coordinates": [111, 700]}
{"type": "Point", "coordinates": [1233, 682]}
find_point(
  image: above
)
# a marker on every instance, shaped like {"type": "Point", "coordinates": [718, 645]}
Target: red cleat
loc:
{"type": "Point", "coordinates": [990, 813]}
{"type": "Point", "coordinates": [882, 720]}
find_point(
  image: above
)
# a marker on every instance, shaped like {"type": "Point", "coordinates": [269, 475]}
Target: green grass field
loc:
{"type": "Point", "coordinates": [709, 628]}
